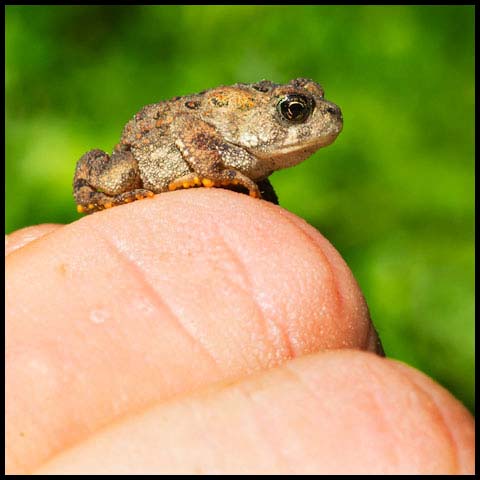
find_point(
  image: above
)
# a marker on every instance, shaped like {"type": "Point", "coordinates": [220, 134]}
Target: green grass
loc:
{"type": "Point", "coordinates": [394, 194]}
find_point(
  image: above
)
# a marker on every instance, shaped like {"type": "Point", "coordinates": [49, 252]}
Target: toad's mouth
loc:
{"type": "Point", "coordinates": [306, 148]}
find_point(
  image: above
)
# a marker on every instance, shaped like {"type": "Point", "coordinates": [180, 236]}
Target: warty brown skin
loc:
{"type": "Point", "coordinates": [229, 136]}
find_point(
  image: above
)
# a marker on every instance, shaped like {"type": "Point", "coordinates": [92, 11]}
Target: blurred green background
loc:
{"type": "Point", "coordinates": [394, 194]}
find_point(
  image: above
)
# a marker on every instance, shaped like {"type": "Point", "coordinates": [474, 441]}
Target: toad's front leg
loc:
{"type": "Point", "coordinates": [102, 181]}
{"type": "Point", "coordinates": [210, 157]}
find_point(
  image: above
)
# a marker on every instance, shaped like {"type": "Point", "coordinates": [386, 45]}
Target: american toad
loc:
{"type": "Point", "coordinates": [229, 136]}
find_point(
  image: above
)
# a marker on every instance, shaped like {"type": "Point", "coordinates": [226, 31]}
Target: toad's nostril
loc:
{"type": "Point", "coordinates": [333, 109]}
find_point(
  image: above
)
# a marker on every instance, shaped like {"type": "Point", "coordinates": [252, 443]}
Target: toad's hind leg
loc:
{"type": "Point", "coordinates": [103, 181]}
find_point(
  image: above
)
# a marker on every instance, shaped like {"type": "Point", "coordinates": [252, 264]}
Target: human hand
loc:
{"type": "Point", "coordinates": [207, 332]}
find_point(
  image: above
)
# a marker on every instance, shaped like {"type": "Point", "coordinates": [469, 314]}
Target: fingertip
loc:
{"type": "Point", "coordinates": [281, 270]}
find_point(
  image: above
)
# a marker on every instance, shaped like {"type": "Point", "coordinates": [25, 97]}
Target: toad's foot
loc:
{"type": "Point", "coordinates": [103, 181]}
{"type": "Point", "coordinates": [223, 178]}
{"type": "Point", "coordinates": [100, 201]}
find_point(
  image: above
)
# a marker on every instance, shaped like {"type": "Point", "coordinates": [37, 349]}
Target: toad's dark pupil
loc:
{"type": "Point", "coordinates": [294, 108]}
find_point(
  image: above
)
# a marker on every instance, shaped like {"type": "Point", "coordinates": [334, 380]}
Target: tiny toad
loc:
{"type": "Point", "coordinates": [230, 136]}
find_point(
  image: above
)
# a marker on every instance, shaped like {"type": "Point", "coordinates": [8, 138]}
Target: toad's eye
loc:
{"type": "Point", "coordinates": [295, 108]}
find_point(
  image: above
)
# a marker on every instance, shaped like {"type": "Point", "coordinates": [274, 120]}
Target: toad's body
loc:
{"type": "Point", "coordinates": [236, 135]}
